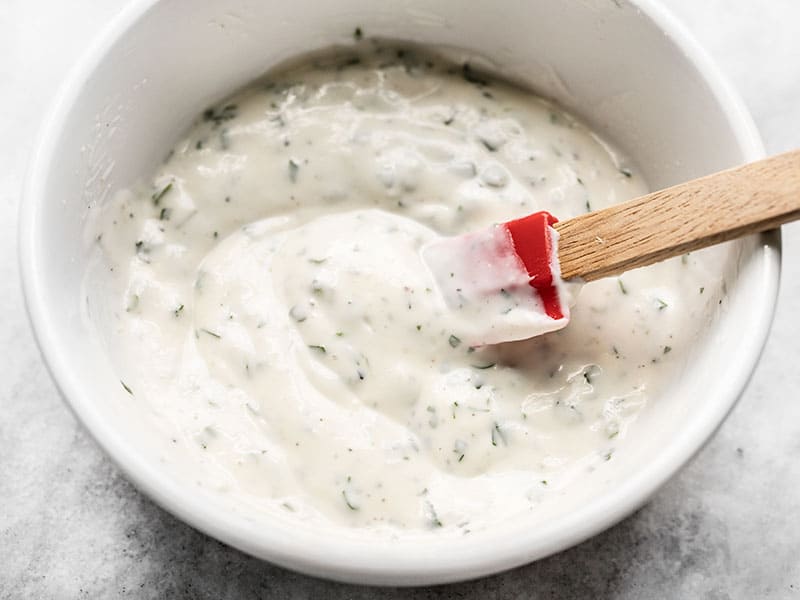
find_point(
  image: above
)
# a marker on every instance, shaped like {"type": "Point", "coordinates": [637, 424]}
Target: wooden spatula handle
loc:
{"type": "Point", "coordinates": [706, 211]}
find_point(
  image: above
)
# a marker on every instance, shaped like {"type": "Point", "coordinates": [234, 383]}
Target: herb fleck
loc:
{"type": "Point", "coordinates": [347, 501]}
{"type": "Point", "coordinates": [454, 341]}
{"type": "Point", "coordinates": [127, 389]}
{"type": "Point", "coordinates": [211, 333]}
{"type": "Point", "coordinates": [133, 303]}
{"type": "Point", "coordinates": [160, 194]}
{"type": "Point", "coordinates": [294, 167]}
{"type": "Point", "coordinates": [489, 366]}
{"type": "Point", "coordinates": [226, 113]}
{"type": "Point", "coordinates": [471, 76]}
{"type": "Point", "coordinates": [622, 286]}
{"type": "Point", "coordinates": [498, 435]}
{"type": "Point", "coordinates": [433, 518]}
{"type": "Point", "coordinates": [318, 347]}
{"type": "Point", "coordinates": [488, 145]}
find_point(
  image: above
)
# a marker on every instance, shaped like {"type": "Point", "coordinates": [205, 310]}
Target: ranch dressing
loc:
{"type": "Point", "coordinates": [273, 312]}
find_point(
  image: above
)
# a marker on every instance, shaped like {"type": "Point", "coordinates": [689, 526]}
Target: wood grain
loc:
{"type": "Point", "coordinates": [749, 199]}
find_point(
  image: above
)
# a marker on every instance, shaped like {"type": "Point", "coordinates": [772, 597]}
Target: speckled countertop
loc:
{"type": "Point", "coordinates": [72, 526]}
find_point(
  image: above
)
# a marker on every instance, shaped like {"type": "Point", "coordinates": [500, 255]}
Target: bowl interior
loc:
{"type": "Point", "coordinates": [624, 68]}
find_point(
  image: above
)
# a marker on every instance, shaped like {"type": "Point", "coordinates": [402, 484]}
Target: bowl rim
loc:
{"type": "Point", "coordinates": [362, 563]}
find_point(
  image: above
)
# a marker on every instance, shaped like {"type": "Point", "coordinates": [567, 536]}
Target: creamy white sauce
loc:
{"type": "Point", "coordinates": [271, 308]}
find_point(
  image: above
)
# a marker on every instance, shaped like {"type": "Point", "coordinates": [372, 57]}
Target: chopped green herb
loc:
{"type": "Point", "coordinates": [702, 289]}
{"type": "Point", "coordinates": [661, 304]}
{"type": "Point", "coordinates": [178, 310]}
{"type": "Point", "coordinates": [470, 76]}
{"type": "Point", "coordinates": [318, 347]}
{"type": "Point", "coordinates": [159, 195]}
{"type": "Point", "coordinates": [211, 333]}
{"type": "Point", "coordinates": [164, 214]}
{"type": "Point", "coordinates": [590, 372]}
{"type": "Point", "coordinates": [294, 167]}
{"type": "Point", "coordinates": [622, 286]}
{"type": "Point", "coordinates": [667, 349]}
{"type": "Point", "coordinates": [626, 172]}
{"type": "Point", "coordinates": [432, 516]}
{"type": "Point", "coordinates": [133, 304]}
{"type": "Point", "coordinates": [498, 435]}
{"type": "Point", "coordinates": [127, 389]}
{"type": "Point", "coordinates": [358, 34]}
{"type": "Point", "coordinates": [226, 113]}
{"type": "Point", "coordinates": [454, 341]}
{"type": "Point", "coordinates": [489, 366]}
{"type": "Point", "coordinates": [488, 145]}
{"type": "Point", "coordinates": [349, 504]}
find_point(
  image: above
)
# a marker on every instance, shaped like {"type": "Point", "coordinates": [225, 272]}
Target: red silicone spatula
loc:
{"type": "Point", "coordinates": [690, 216]}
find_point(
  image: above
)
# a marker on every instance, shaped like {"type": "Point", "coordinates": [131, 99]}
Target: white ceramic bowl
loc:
{"type": "Point", "coordinates": [630, 70]}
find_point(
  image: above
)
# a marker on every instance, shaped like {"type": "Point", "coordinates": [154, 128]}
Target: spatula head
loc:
{"type": "Point", "coordinates": [505, 279]}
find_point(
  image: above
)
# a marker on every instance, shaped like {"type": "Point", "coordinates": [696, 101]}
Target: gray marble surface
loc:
{"type": "Point", "coordinates": [72, 526]}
